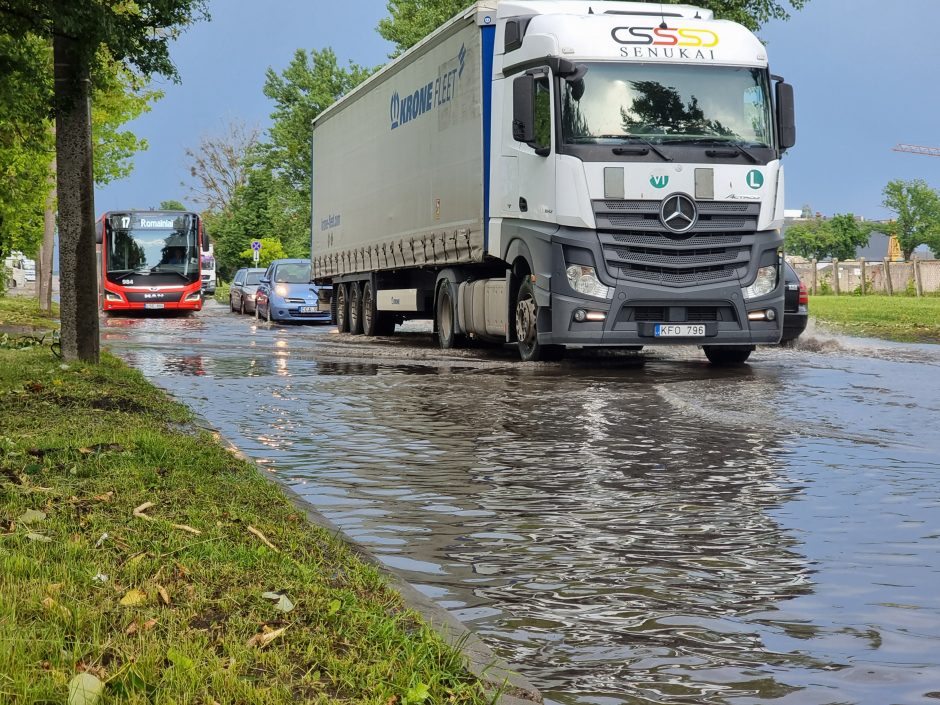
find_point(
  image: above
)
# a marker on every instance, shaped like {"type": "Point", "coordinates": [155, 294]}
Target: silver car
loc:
{"type": "Point", "coordinates": [241, 295]}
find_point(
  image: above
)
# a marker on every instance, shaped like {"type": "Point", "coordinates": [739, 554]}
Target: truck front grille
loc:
{"type": "Point", "coordinates": [638, 247]}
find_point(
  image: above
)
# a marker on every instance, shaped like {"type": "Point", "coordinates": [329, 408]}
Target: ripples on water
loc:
{"type": "Point", "coordinates": [656, 534]}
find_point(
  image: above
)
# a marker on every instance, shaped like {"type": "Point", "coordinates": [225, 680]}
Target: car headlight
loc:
{"type": "Point", "coordinates": [281, 290]}
{"type": "Point", "coordinates": [584, 280]}
{"type": "Point", "coordinates": [765, 283]}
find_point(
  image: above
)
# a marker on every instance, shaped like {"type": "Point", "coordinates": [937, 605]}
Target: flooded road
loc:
{"type": "Point", "coordinates": [633, 529]}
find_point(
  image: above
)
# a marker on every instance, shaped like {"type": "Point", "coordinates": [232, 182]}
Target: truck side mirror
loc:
{"type": "Point", "coordinates": [786, 116]}
{"type": "Point", "coordinates": [523, 109]}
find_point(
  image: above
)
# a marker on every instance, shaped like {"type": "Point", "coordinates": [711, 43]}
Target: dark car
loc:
{"type": "Point", "coordinates": [287, 294]}
{"type": "Point", "coordinates": [241, 295]}
{"type": "Point", "coordinates": [795, 305]}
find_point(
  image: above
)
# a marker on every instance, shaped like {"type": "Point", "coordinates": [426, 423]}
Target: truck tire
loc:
{"type": "Point", "coordinates": [727, 356]}
{"type": "Point", "coordinates": [530, 350]}
{"type": "Point", "coordinates": [355, 308]}
{"type": "Point", "coordinates": [342, 309]}
{"type": "Point", "coordinates": [374, 322]}
{"type": "Point", "coordinates": [445, 318]}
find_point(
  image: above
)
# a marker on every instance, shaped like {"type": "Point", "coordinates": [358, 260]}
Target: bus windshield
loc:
{"type": "Point", "coordinates": [153, 243]}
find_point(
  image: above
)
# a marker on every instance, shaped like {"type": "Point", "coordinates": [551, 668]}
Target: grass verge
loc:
{"type": "Point", "coordinates": [23, 311]}
{"type": "Point", "coordinates": [136, 552]}
{"type": "Point", "coordinates": [900, 318]}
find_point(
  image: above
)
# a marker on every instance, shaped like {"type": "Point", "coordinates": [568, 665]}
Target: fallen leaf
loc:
{"type": "Point", "coordinates": [131, 628]}
{"type": "Point", "coordinates": [164, 595]}
{"type": "Point", "coordinates": [184, 527]}
{"type": "Point", "coordinates": [263, 538]}
{"type": "Point", "coordinates": [148, 625]}
{"type": "Point", "coordinates": [104, 537]}
{"type": "Point", "coordinates": [85, 689]}
{"type": "Point", "coordinates": [283, 602]}
{"type": "Point", "coordinates": [106, 497]}
{"type": "Point", "coordinates": [134, 560]}
{"type": "Point", "coordinates": [38, 537]}
{"type": "Point", "coordinates": [133, 598]}
{"type": "Point", "coordinates": [99, 578]}
{"type": "Point", "coordinates": [265, 638]}
{"type": "Point", "coordinates": [54, 587]}
{"type": "Point", "coordinates": [48, 603]}
{"type": "Point", "coordinates": [30, 516]}
{"type": "Point", "coordinates": [178, 658]}
{"type": "Point", "coordinates": [334, 607]}
{"type": "Point", "coordinates": [139, 511]}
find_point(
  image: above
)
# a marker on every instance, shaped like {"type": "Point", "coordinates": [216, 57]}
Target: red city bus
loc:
{"type": "Point", "coordinates": [151, 260]}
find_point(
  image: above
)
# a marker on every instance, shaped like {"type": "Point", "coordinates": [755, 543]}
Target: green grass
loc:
{"type": "Point", "coordinates": [84, 445]}
{"type": "Point", "coordinates": [24, 311]}
{"type": "Point", "coordinates": [900, 318]}
{"type": "Point", "coordinates": [221, 292]}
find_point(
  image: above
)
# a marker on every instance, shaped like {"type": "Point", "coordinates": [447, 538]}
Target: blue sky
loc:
{"type": "Point", "coordinates": [864, 73]}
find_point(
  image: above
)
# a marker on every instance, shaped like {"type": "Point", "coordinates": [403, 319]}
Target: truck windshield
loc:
{"type": "Point", "coordinates": [667, 103]}
{"type": "Point", "coordinates": [153, 244]}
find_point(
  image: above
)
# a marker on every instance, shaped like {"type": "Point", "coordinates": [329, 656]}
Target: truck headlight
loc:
{"type": "Point", "coordinates": [765, 282]}
{"type": "Point", "coordinates": [584, 280]}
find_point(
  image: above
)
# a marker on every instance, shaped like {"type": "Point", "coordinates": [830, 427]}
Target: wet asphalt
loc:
{"type": "Point", "coordinates": [634, 528]}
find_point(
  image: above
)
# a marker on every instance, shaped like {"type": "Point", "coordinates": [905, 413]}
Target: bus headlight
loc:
{"type": "Point", "coordinates": [111, 296]}
{"type": "Point", "coordinates": [583, 279]}
{"type": "Point", "coordinates": [765, 282]}
{"type": "Point", "coordinates": [195, 296]}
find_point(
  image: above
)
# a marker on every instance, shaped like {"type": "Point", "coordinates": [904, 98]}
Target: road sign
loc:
{"type": "Point", "coordinates": [256, 245]}
{"type": "Point", "coordinates": [255, 250]}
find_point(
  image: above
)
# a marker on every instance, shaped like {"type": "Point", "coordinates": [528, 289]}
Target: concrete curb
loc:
{"type": "Point", "coordinates": [498, 677]}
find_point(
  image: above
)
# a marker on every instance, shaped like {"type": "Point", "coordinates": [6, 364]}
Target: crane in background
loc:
{"type": "Point", "coordinates": [917, 149]}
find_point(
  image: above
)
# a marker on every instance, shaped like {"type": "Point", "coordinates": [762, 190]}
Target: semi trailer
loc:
{"type": "Point", "coordinates": [561, 173]}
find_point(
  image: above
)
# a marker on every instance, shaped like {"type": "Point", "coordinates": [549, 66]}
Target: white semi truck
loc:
{"type": "Point", "coordinates": [558, 173]}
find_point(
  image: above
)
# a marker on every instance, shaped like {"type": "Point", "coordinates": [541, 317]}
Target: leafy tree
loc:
{"type": "Point", "coordinates": [917, 214]}
{"type": "Point", "coordinates": [271, 249]}
{"type": "Point", "coordinates": [136, 34]}
{"type": "Point", "coordinates": [172, 206]}
{"type": "Point", "coordinates": [220, 165]}
{"type": "Point", "coordinates": [838, 237]}
{"type": "Point", "coordinates": [409, 21]}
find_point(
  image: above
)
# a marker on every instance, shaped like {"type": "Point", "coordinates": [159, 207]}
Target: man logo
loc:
{"type": "Point", "coordinates": [659, 180]}
{"type": "Point", "coordinates": [678, 213]}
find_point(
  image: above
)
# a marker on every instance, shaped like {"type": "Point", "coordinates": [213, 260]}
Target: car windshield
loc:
{"type": "Point", "coordinates": [152, 243]}
{"type": "Point", "coordinates": [253, 278]}
{"type": "Point", "coordinates": [613, 103]}
{"type": "Point", "coordinates": [293, 273]}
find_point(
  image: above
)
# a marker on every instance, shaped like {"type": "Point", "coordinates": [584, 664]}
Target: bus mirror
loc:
{"type": "Point", "coordinates": [523, 109]}
{"type": "Point", "coordinates": [99, 232]}
{"type": "Point", "coordinates": [786, 116]}
{"type": "Point", "coordinates": [206, 242]}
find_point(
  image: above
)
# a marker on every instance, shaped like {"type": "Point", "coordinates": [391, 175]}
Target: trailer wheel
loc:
{"type": "Point", "coordinates": [727, 356]}
{"type": "Point", "coordinates": [342, 309]}
{"type": "Point", "coordinates": [530, 350]}
{"type": "Point", "coordinates": [445, 318]}
{"type": "Point", "coordinates": [355, 308]}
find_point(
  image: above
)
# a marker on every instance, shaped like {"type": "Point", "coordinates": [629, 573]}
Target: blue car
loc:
{"type": "Point", "coordinates": [286, 294]}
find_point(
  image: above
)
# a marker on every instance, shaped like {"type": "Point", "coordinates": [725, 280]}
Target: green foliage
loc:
{"type": "Point", "coordinates": [837, 237]}
{"type": "Point", "coordinates": [409, 21]}
{"type": "Point", "coordinates": [917, 215]}
{"type": "Point", "coordinates": [172, 206]}
{"type": "Point", "coordinates": [271, 249]}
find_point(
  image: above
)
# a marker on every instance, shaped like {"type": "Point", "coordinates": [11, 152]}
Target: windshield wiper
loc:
{"type": "Point", "coordinates": [717, 140]}
{"type": "Point", "coordinates": [646, 143]}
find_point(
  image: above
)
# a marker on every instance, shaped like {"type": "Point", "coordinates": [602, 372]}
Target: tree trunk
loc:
{"type": "Point", "coordinates": [78, 277]}
{"type": "Point", "coordinates": [48, 244]}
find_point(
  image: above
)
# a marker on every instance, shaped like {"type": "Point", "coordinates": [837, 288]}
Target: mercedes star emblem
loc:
{"type": "Point", "coordinates": [678, 213]}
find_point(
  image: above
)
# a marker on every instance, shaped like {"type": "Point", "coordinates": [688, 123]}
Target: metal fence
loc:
{"type": "Point", "coordinates": [914, 278]}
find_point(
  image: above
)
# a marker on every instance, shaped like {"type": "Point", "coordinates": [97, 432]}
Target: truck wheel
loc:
{"type": "Point", "coordinates": [372, 318]}
{"type": "Point", "coordinates": [445, 318]}
{"type": "Point", "coordinates": [342, 309]}
{"type": "Point", "coordinates": [530, 350]}
{"type": "Point", "coordinates": [727, 356]}
{"type": "Point", "coordinates": [355, 308]}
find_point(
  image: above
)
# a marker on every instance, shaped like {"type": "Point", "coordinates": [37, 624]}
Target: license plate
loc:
{"type": "Point", "coordinates": [308, 309]}
{"type": "Point", "coordinates": [680, 331]}
{"type": "Point", "coordinates": [153, 305]}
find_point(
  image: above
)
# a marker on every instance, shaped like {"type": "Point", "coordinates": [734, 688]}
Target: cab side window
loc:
{"type": "Point", "coordinates": [543, 114]}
